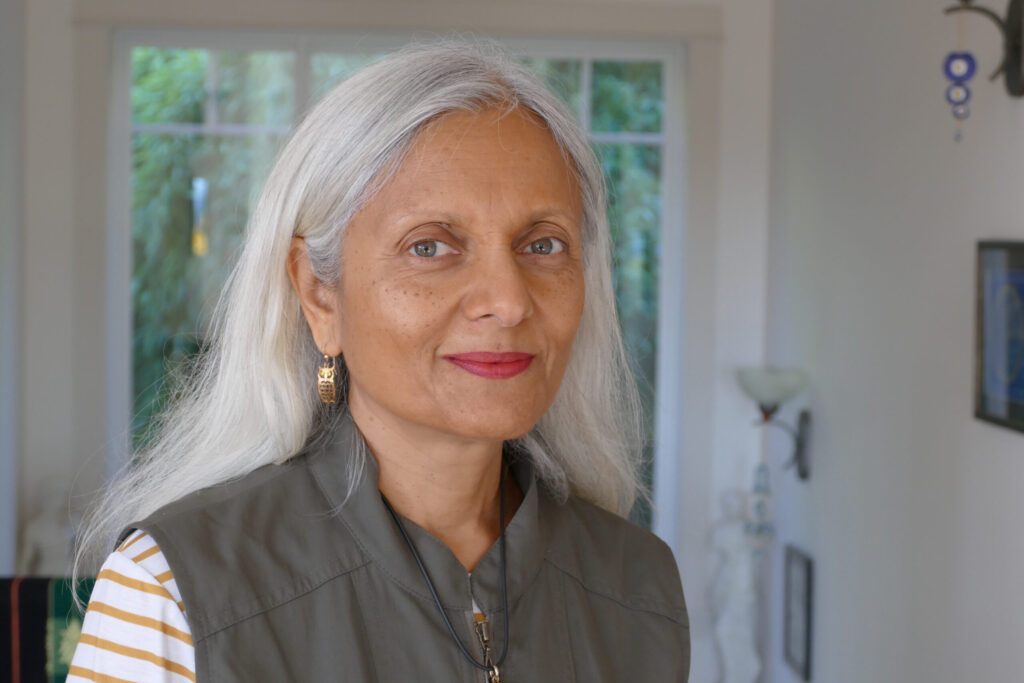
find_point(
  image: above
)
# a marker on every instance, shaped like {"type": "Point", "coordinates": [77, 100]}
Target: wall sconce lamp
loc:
{"type": "Point", "coordinates": [770, 388]}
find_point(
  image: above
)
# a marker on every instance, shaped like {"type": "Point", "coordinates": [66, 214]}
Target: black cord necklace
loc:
{"type": "Point", "coordinates": [491, 667]}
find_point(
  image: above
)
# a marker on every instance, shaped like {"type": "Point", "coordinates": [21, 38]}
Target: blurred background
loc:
{"type": "Point", "coordinates": [787, 191]}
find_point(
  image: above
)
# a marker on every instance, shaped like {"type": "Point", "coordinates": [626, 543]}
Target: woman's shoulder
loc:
{"type": "Point", "coordinates": [135, 625]}
{"type": "Point", "coordinates": [211, 515]}
{"type": "Point", "coordinates": [255, 485]}
{"type": "Point", "coordinates": [614, 556]}
{"type": "Point", "coordinates": [142, 558]}
{"type": "Point", "coordinates": [602, 528]}
{"type": "Point", "coordinates": [246, 534]}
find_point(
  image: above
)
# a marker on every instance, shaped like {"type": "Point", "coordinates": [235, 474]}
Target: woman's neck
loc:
{"type": "Point", "coordinates": [444, 483]}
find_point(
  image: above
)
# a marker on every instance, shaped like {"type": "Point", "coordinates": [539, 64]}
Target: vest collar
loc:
{"type": "Point", "coordinates": [370, 523]}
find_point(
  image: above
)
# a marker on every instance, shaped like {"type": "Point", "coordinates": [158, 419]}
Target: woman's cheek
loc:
{"type": "Point", "coordinates": [408, 311]}
{"type": "Point", "coordinates": [567, 295]}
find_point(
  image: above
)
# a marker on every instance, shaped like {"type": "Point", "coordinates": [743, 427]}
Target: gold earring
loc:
{"type": "Point", "coordinates": [325, 380]}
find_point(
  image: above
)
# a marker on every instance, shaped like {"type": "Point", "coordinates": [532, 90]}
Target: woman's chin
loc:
{"type": "Point", "coordinates": [502, 421]}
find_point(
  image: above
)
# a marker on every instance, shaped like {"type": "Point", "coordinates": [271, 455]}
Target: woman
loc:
{"type": "Point", "coordinates": [409, 453]}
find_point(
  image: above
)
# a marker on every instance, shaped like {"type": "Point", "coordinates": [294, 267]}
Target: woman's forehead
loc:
{"type": "Point", "coordinates": [471, 141]}
{"type": "Point", "coordinates": [467, 156]}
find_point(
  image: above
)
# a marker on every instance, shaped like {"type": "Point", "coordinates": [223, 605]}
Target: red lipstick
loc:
{"type": "Point", "coordinates": [492, 365]}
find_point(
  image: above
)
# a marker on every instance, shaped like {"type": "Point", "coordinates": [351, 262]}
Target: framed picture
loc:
{"type": "Point", "coordinates": [999, 334]}
{"type": "Point", "coordinates": [796, 641]}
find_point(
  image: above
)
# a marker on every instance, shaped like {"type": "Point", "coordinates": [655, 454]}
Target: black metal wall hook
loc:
{"type": "Point", "coordinates": [1011, 28]}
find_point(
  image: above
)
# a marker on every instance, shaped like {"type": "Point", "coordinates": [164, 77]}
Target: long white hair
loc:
{"type": "Point", "coordinates": [250, 398]}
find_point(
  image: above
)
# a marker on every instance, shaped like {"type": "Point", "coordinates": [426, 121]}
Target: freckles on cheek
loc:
{"type": "Point", "coordinates": [566, 289]}
{"type": "Point", "coordinates": [567, 300]}
{"type": "Point", "coordinates": [407, 312]}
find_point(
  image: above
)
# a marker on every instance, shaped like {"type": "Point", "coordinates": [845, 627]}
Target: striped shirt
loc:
{"type": "Point", "coordinates": [134, 627]}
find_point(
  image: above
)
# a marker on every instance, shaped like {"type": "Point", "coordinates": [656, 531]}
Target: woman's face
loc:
{"type": "Point", "coordinates": [474, 245]}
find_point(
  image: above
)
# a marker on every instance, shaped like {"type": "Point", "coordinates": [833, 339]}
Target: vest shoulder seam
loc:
{"type": "Point", "coordinates": [638, 603]}
{"type": "Point", "coordinates": [204, 622]}
{"type": "Point", "coordinates": [314, 584]}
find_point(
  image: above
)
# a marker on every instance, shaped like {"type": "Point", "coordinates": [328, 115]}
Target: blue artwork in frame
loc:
{"type": "Point", "coordinates": [999, 334]}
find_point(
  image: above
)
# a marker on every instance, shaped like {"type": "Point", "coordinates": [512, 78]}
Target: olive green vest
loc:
{"type": "Point", "coordinates": [279, 584]}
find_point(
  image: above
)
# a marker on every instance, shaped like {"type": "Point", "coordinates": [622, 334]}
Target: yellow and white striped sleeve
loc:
{"type": "Point", "coordinates": [134, 627]}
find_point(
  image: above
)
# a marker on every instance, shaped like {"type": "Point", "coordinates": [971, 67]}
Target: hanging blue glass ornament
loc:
{"type": "Point", "coordinates": [960, 66]}
{"type": "Point", "coordinates": [958, 93]}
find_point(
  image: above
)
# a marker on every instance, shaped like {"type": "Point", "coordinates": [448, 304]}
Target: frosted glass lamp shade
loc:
{"type": "Point", "coordinates": [771, 386]}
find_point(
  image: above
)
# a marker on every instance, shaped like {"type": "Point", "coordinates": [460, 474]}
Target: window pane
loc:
{"type": "Point", "coordinates": [329, 69]}
{"type": "Point", "coordinates": [256, 87]}
{"type": "Point", "coordinates": [627, 97]}
{"type": "Point", "coordinates": [168, 86]}
{"type": "Point", "coordinates": [562, 76]}
{"type": "Point", "coordinates": [191, 198]}
{"type": "Point", "coordinates": [633, 173]}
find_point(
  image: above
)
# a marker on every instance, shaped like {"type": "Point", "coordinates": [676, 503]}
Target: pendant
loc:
{"type": "Point", "coordinates": [483, 631]}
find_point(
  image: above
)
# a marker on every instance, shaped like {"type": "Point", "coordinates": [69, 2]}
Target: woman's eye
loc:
{"type": "Point", "coordinates": [541, 247]}
{"type": "Point", "coordinates": [548, 245]}
{"type": "Point", "coordinates": [427, 248]}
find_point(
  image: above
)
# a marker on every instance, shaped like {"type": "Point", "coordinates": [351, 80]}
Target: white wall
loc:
{"type": "Point", "coordinates": [61, 287]}
{"type": "Point", "coordinates": [912, 512]}
{"type": "Point", "coordinates": [738, 307]}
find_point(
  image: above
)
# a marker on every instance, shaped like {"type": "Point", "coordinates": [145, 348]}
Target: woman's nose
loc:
{"type": "Point", "coordinates": [499, 288]}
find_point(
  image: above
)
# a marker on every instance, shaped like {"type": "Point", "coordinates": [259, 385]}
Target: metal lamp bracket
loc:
{"type": "Point", "coordinates": [800, 434]}
{"type": "Point", "coordinates": [1011, 28]}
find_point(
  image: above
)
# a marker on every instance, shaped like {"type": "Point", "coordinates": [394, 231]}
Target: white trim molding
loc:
{"type": "Point", "coordinates": [12, 66]}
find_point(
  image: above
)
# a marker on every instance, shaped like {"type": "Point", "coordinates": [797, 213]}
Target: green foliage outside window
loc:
{"type": "Point", "coordinates": [190, 198]}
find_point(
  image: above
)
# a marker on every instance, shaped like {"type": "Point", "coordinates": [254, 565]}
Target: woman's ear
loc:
{"type": "Point", "coordinates": [318, 301]}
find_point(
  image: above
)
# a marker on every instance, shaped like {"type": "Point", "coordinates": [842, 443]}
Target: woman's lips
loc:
{"type": "Point", "coordinates": [493, 365]}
